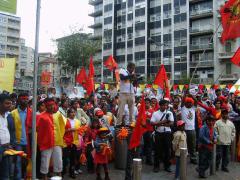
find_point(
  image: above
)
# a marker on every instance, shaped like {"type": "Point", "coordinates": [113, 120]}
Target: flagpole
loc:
{"type": "Point", "coordinates": [201, 57]}
{"type": "Point", "coordinates": [34, 144]}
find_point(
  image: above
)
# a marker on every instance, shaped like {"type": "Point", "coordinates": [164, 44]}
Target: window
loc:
{"type": "Point", "coordinates": [107, 7]}
{"type": "Point", "coordinates": [180, 50]}
{"type": "Point", "coordinates": [179, 2]}
{"type": "Point", "coordinates": [107, 46]}
{"type": "Point", "coordinates": [140, 12]}
{"type": "Point", "coordinates": [180, 18]}
{"type": "Point", "coordinates": [140, 26]}
{"type": "Point", "coordinates": [155, 10]}
{"type": "Point", "coordinates": [130, 17]}
{"type": "Point", "coordinates": [139, 41]}
{"type": "Point", "coordinates": [121, 19]}
{"type": "Point", "coordinates": [166, 22]}
{"type": "Point", "coordinates": [108, 20]}
{"type": "Point", "coordinates": [155, 25]}
{"type": "Point", "coordinates": [130, 3]}
{"type": "Point", "coordinates": [140, 55]}
{"type": "Point", "coordinates": [129, 57]}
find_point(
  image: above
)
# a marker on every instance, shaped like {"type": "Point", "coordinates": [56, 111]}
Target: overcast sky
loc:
{"type": "Point", "coordinates": [58, 17]}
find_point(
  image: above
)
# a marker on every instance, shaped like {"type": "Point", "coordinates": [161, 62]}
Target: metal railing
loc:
{"type": "Point", "coordinates": [201, 46]}
{"type": "Point", "coordinates": [201, 12]}
{"type": "Point", "coordinates": [226, 54]}
{"type": "Point", "coordinates": [202, 63]}
{"type": "Point", "coordinates": [200, 30]}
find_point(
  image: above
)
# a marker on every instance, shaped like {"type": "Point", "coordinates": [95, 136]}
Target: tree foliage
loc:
{"type": "Point", "coordinates": [74, 51]}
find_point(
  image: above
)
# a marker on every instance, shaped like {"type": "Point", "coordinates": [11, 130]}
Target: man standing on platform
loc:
{"type": "Point", "coordinates": [126, 96]}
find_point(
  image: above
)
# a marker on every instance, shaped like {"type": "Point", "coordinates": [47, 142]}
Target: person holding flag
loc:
{"type": "Point", "coordinates": [126, 93]}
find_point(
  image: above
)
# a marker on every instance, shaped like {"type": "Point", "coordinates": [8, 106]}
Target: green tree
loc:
{"type": "Point", "coordinates": [74, 51]}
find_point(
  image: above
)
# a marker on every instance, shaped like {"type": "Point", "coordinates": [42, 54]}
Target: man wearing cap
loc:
{"type": "Point", "coordinates": [22, 117]}
{"type": "Point", "coordinates": [50, 129]}
{"type": "Point", "coordinates": [163, 120]}
{"type": "Point", "coordinates": [225, 135]}
{"type": "Point", "coordinates": [126, 95]}
{"type": "Point", "coordinates": [188, 114]}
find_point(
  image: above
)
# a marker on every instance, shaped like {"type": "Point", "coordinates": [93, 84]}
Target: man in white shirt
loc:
{"type": "Point", "coordinates": [126, 95]}
{"type": "Point", "coordinates": [188, 113]}
{"type": "Point", "coordinates": [163, 120]}
{"type": "Point", "coordinates": [5, 164]}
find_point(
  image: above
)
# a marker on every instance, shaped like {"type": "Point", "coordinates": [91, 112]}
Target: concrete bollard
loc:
{"type": "Point", "coordinates": [213, 164]}
{"type": "Point", "coordinates": [137, 169]}
{"type": "Point", "coordinates": [233, 150]}
{"type": "Point", "coordinates": [183, 163]}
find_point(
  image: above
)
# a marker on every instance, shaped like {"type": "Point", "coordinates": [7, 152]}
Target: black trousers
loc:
{"type": "Point", "coordinates": [223, 153]}
{"type": "Point", "coordinates": [205, 159]}
{"type": "Point", "coordinates": [147, 147]}
{"type": "Point", "coordinates": [162, 149]}
{"type": "Point", "coordinates": [90, 163]}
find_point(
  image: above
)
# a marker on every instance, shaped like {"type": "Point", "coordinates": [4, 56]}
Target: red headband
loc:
{"type": "Point", "coordinates": [23, 98]}
{"type": "Point", "coordinates": [189, 100]}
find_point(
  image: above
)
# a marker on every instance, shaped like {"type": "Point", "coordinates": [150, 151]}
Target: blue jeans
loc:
{"type": "Point", "coordinates": [21, 164]}
{"type": "Point", "coordinates": [177, 167]}
{"type": "Point", "coordinates": [5, 165]}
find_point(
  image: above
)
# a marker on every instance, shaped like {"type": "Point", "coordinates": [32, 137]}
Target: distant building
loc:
{"type": "Point", "coordinates": [25, 65]}
{"type": "Point", "coordinates": [10, 38]}
{"type": "Point", "coordinates": [172, 32]}
{"type": "Point", "coordinates": [48, 62]}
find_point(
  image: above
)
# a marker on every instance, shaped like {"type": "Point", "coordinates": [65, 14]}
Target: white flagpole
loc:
{"type": "Point", "coordinates": [34, 144]}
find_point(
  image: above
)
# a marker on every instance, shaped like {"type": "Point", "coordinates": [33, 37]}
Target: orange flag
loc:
{"type": "Point", "coordinates": [82, 76]}
{"type": "Point", "coordinates": [110, 63]}
{"type": "Point", "coordinates": [90, 80]}
{"type": "Point", "coordinates": [162, 81]}
{"type": "Point", "coordinates": [45, 78]}
{"type": "Point", "coordinates": [236, 58]}
{"type": "Point", "coordinates": [140, 128]}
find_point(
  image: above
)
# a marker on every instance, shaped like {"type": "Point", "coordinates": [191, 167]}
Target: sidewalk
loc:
{"type": "Point", "coordinates": [148, 174]}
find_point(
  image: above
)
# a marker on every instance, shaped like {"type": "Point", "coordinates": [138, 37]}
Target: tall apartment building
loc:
{"type": "Point", "coordinates": [10, 37]}
{"type": "Point", "coordinates": [184, 35]}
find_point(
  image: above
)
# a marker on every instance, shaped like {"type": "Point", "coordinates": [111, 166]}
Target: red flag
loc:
{"type": "Point", "coordinates": [45, 78]}
{"type": "Point", "coordinates": [140, 127]}
{"type": "Point", "coordinates": [90, 80]}
{"type": "Point", "coordinates": [110, 63]}
{"type": "Point", "coordinates": [230, 14]}
{"type": "Point", "coordinates": [82, 76]}
{"type": "Point", "coordinates": [162, 81]}
{"type": "Point", "coordinates": [236, 58]}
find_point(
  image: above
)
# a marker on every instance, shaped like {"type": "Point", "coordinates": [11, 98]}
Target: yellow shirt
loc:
{"type": "Point", "coordinates": [59, 128]}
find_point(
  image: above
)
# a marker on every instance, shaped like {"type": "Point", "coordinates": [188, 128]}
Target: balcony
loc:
{"type": "Point", "coordinates": [229, 78]}
{"type": "Point", "coordinates": [225, 56]}
{"type": "Point", "coordinates": [96, 25]}
{"type": "Point", "coordinates": [195, 1]}
{"type": "Point", "coordinates": [199, 31]}
{"type": "Point", "coordinates": [15, 35]}
{"type": "Point", "coordinates": [96, 12]}
{"type": "Point", "coordinates": [12, 43]}
{"type": "Point", "coordinates": [201, 47]}
{"type": "Point", "coordinates": [196, 14]}
{"type": "Point", "coordinates": [14, 26]}
{"type": "Point", "coordinates": [201, 64]}
{"type": "Point", "coordinates": [94, 2]}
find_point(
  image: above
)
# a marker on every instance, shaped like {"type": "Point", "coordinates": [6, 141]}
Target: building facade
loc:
{"type": "Point", "coordinates": [10, 38]}
{"type": "Point", "coordinates": [25, 65]}
{"type": "Point", "coordinates": [184, 35]}
{"type": "Point", "coordinates": [48, 62]}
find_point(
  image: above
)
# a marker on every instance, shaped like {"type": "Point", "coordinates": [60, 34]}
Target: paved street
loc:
{"type": "Point", "coordinates": [149, 175]}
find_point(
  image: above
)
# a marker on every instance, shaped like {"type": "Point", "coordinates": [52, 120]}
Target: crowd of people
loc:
{"type": "Point", "coordinates": [81, 131]}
